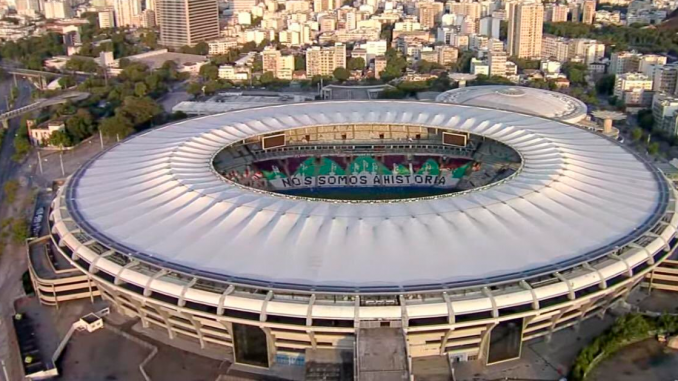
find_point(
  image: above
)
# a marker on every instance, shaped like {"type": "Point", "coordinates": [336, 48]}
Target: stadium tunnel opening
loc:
{"type": "Point", "coordinates": [371, 162]}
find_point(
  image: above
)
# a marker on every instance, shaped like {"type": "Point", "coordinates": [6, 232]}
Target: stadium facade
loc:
{"type": "Point", "coordinates": [170, 238]}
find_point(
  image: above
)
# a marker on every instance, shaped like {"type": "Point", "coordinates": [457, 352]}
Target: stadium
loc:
{"type": "Point", "coordinates": [282, 230]}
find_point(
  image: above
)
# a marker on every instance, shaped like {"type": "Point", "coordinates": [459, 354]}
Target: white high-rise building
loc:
{"type": "Point", "coordinates": [525, 29]}
{"type": "Point", "coordinates": [57, 9]}
{"type": "Point", "coordinates": [187, 22]}
{"type": "Point", "coordinates": [127, 13]}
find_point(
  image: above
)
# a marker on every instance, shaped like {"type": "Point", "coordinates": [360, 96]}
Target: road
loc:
{"type": "Point", "coordinates": [12, 258]}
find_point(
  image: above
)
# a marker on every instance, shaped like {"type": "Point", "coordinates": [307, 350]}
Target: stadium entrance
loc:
{"type": "Point", "coordinates": [250, 345]}
{"type": "Point", "coordinates": [382, 165]}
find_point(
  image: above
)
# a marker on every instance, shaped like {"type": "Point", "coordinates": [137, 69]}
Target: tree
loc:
{"type": "Point", "coordinates": [11, 187]}
{"type": "Point", "coordinates": [212, 87]}
{"type": "Point", "coordinates": [67, 82]}
{"type": "Point", "coordinates": [428, 66]}
{"type": "Point", "coordinates": [653, 148]}
{"type": "Point", "coordinates": [636, 134]}
{"type": "Point", "coordinates": [356, 63]}
{"type": "Point", "coordinates": [139, 111]}
{"type": "Point", "coordinates": [117, 127]}
{"type": "Point", "coordinates": [605, 84]}
{"type": "Point", "coordinates": [19, 231]}
{"type": "Point", "coordinates": [646, 119]}
{"type": "Point", "coordinates": [392, 94]}
{"type": "Point", "coordinates": [341, 74]}
{"type": "Point", "coordinates": [80, 125]}
{"type": "Point", "coordinates": [299, 62]}
{"type": "Point", "coordinates": [575, 72]}
{"type": "Point", "coordinates": [140, 89]}
{"type": "Point", "coordinates": [267, 78]}
{"type": "Point", "coordinates": [150, 39]}
{"type": "Point", "coordinates": [194, 88]}
{"type": "Point", "coordinates": [201, 48]}
{"type": "Point", "coordinates": [209, 72]}
{"type": "Point", "coordinates": [60, 139]}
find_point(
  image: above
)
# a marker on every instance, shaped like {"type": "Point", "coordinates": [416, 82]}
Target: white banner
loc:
{"type": "Point", "coordinates": [364, 180]}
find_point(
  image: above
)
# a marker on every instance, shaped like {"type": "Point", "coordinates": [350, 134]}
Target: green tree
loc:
{"type": "Point", "coordinates": [194, 88]}
{"type": "Point", "coordinates": [356, 63]}
{"type": "Point", "coordinates": [341, 74]}
{"type": "Point", "coordinates": [11, 187]}
{"type": "Point", "coordinates": [299, 62]}
{"type": "Point", "coordinates": [646, 119]}
{"type": "Point", "coordinates": [209, 72]}
{"type": "Point", "coordinates": [653, 148]}
{"type": "Point", "coordinates": [267, 78]}
{"type": "Point", "coordinates": [605, 84]}
{"type": "Point", "coordinates": [428, 66]}
{"type": "Point", "coordinates": [19, 231]}
{"type": "Point", "coordinates": [80, 125]}
{"type": "Point", "coordinates": [636, 134]}
{"type": "Point", "coordinates": [117, 127]}
{"type": "Point", "coordinates": [212, 87]}
{"type": "Point", "coordinates": [140, 89]}
{"type": "Point", "coordinates": [60, 139]}
{"type": "Point", "coordinates": [139, 111]}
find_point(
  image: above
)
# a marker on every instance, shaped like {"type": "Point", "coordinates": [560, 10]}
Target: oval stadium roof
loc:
{"type": "Point", "coordinates": [156, 196]}
{"type": "Point", "coordinates": [526, 100]}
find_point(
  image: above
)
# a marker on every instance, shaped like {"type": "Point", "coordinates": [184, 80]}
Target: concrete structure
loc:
{"type": "Point", "coordinates": [54, 279]}
{"type": "Point", "coordinates": [296, 274]}
{"type": "Point", "coordinates": [190, 63]}
{"type": "Point", "coordinates": [549, 104]}
{"type": "Point", "coordinates": [608, 117]}
{"type": "Point", "coordinates": [525, 29]}
{"type": "Point", "coordinates": [187, 22]}
{"type": "Point", "coordinates": [557, 12]}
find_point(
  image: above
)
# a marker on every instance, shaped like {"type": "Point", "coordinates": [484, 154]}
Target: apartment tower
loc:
{"type": "Point", "coordinates": [525, 29]}
{"type": "Point", "coordinates": [187, 22]}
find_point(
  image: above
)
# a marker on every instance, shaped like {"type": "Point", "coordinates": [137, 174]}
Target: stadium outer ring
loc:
{"type": "Point", "coordinates": [547, 301]}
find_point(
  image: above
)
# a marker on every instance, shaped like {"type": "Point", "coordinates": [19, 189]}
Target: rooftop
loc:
{"type": "Point", "coordinates": [157, 196]}
{"type": "Point", "coordinates": [526, 100]}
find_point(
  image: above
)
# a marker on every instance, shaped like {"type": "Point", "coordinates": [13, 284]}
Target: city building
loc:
{"type": "Point", "coordinates": [525, 29]}
{"type": "Point", "coordinates": [489, 26]}
{"type": "Point", "coordinates": [429, 13]}
{"type": "Point", "coordinates": [624, 62]}
{"type": "Point", "coordinates": [497, 63]}
{"type": "Point", "coordinates": [187, 22]}
{"type": "Point", "coordinates": [57, 9]}
{"type": "Point", "coordinates": [664, 78]}
{"type": "Point", "coordinates": [665, 112]}
{"type": "Point", "coordinates": [282, 66]}
{"type": "Point", "coordinates": [557, 12]}
{"type": "Point", "coordinates": [106, 19]}
{"type": "Point", "coordinates": [127, 13]}
{"type": "Point", "coordinates": [222, 45]}
{"type": "Point", "coordinates": [323, 60]}
{"type": "Point", "coordinates": [379, 66]}
{"type": "Point", "coordinates": [234, 73]}
{"type": "Point", "coordinates": [633, 89]}
{"type": "Point", "coordinates": [39, 134]}
{"type": "Point", "coordinates": [588, 11]}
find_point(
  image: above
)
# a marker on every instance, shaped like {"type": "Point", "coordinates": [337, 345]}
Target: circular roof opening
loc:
{"type": "Point", "coordinates": [374, 162]}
